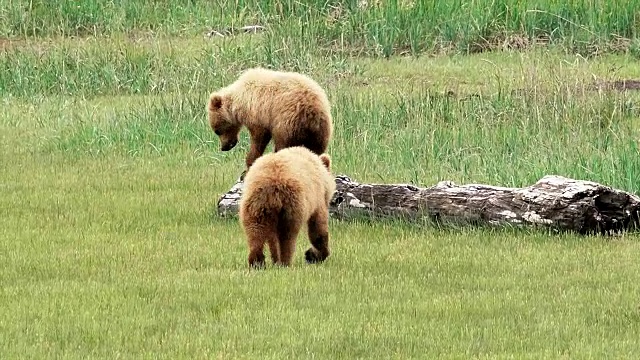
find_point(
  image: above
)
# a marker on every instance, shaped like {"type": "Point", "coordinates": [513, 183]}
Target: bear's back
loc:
{"type": "Point", "coordinates": [271, 82]}
{"type": "Point", "coordinates": [294, 172]}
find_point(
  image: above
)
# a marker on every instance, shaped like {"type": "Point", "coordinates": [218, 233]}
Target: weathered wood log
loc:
{"type": "Point", "coordinates": [553, 202]}
{"type": "Point", "coordinates": [229, 31]}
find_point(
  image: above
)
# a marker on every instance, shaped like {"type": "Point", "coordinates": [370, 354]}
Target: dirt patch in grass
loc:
{"type": "Point", "coordinates": [39, 44]}
{"type": "Point", "coordinates": [612, 85]}
{"type": "Point", "coordinates": [6, 43]}
{"type": "Point", "coordinates": [619, 85]}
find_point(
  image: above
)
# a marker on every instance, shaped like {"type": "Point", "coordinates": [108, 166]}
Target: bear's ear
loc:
{"type": "Point", "coordinates": [326, 161]}
{"type": "Point", "coordinates": [215, 102]}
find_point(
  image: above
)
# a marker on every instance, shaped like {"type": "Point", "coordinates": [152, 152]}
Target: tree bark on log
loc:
{"type": "Point", "coordinates": [554, 202]}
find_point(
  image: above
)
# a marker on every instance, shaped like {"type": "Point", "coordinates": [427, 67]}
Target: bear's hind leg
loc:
{"type": "Point", "coordinates": [318, 226]}
{"type": "Point", "coordinates": [256, 239]}
{"type": "Point", "coordinates": [274, 249]}
{"type": "Point", "coordinates": [288, 230]}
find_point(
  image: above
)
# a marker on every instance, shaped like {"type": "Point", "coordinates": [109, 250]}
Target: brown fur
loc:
{"type": "Point", "coordinates": [282, 192]}
{"type": "Point", "coordinates": [290, 108]}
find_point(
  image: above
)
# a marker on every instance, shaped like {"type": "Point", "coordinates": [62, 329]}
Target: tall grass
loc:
{"type": "Point", "coordinates": [380, 28]}
{"type": "Point", "coordinates": [119, 66]}
{"type": "Point", "coordinates": [509, 140]}
{"type": "Point", "coordinates": [92, 67]}
{"type": "Point", "coordinates": [527, 118]}
{"type": "Point", "coordinates": [160, 128]}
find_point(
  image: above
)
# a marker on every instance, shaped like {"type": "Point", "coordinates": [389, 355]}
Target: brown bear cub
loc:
{"type": "Point", "coordinates": [283, 191]}
{"type": "Point", "coordinates": [288, 107]}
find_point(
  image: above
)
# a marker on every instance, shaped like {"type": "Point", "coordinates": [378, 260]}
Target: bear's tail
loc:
{"type": "Point", "coordinates": [277, 201]}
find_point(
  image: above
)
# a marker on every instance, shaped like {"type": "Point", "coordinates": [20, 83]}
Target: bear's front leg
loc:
{"type": "Point", "coordinates": [243, 174]}
{"type": "Point", "coordinates": [259, 142]}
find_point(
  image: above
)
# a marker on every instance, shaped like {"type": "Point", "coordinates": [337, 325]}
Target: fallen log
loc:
{"type": "Point", "coordinates": [229, 31]}
{"type": "Point", "coordinates": [554, 202]}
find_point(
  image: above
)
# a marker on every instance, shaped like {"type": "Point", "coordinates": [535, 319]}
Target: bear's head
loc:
{"type": "Point", "coordinates": [222, 121]}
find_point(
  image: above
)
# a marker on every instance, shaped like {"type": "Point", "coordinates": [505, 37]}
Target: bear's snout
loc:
{"type": "Point", "coordinates": [228, 145]}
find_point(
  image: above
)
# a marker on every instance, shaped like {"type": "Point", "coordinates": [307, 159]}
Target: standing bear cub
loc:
{"type": "Point", "coordinates": [288, 107]}
{"type": "Point", "coordinates": [283, 191]}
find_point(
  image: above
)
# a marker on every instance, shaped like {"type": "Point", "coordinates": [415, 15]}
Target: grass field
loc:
{"type": "Point", "coordinates": [110, 246]}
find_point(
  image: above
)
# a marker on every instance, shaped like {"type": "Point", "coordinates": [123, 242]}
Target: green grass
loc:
{"type": "Point", "coordinates": [382, 27]}
{"type": "Point", "coordinates": [110, 245]}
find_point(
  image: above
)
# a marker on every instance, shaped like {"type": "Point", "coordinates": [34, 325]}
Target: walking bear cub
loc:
{"type": "Point", "coordinates": [283, 191]}
{"type": "Point", "coordinates": [288, 107]}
